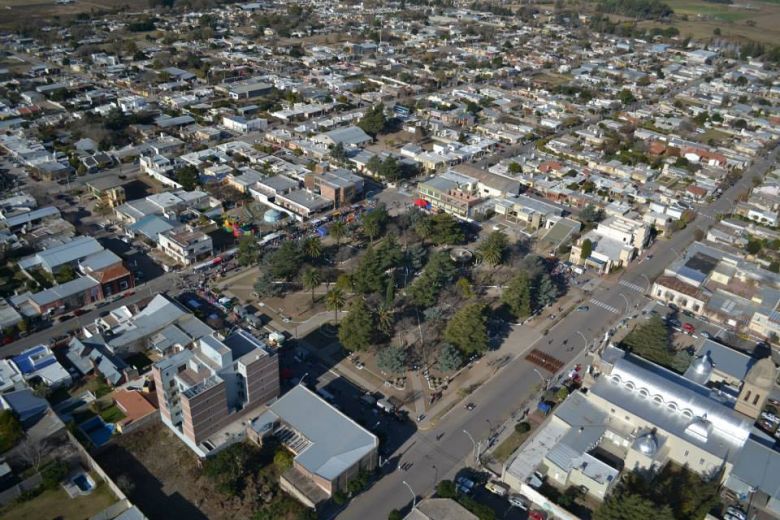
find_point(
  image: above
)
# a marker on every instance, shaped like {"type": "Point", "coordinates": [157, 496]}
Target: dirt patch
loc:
{"type": "Point", "coordinates": [167, 480]}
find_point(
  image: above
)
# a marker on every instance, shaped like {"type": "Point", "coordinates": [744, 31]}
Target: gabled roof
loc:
{"type": "Point", "coordinates": [337, 442]}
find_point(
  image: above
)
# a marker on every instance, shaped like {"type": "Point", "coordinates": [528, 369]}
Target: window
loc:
{"type": "Point", "coordinates": [755, 400]}
{"type": "Point", "coordinates": [686, 453]}
{"type": "Point", "coordinates": [701, 462]}
{"type": "Point", "coordinates": [747, 396]}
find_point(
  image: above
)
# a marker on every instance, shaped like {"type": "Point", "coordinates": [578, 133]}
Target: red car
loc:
{"type": "Point", "coordinates": [687, 327]}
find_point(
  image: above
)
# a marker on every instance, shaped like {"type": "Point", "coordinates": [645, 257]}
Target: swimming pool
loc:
{"type": "Point", "coordinates": [84, 483]}
{"type": "Point", "coordinates": [98, 431]}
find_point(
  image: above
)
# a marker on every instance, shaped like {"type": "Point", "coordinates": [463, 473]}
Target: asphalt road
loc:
{"type": "Point", "coordinates": [502, 395]}
{"type": "Point", "coordinates": [159, 285]}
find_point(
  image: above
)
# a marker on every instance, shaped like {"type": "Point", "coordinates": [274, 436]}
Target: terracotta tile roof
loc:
{"type": "Point", "coordinates": [133, 404]}
{"type": "Point", "coordinates": [111, 273]}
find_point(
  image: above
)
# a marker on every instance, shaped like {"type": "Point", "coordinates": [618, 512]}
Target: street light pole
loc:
{"type": "Point", "coordinates": [544, 380]}
{"type": "Point", "coordinates": [628, 305]}
{"type": "Point", "coordinates": [300, 381]}
{"type": "Point", "coordinates": [414, 496]}
{"type": "Point", "coordinates": [474, 443]}
{"type": "Point", "coordinates": [584, 338]}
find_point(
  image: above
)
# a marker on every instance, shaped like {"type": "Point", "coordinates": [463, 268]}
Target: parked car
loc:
{"type": "Point", "coordinates": [583, 308]}
{"type": "Point", "coordinates": [706, 334]}
{"type": "Point", "coordinates": [519, 501]}
{"type": "Point", "coordinates": [497, 488]}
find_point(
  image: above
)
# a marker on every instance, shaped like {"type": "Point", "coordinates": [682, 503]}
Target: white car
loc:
{"type": "Point", "coordinates": [519, 501]}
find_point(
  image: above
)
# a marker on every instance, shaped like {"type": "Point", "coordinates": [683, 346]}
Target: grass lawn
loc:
{"type": "Point", "coordinates": [112, 414]}
{"type": "Point", "coordinates": [96, 385]}
{"type": "Point", "coordinates": [508, 447]}
{"type": "Point", "coordinates": [55, 503]}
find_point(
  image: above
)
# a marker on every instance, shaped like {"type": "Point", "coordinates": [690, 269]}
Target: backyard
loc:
{"type": "Point", "coordinates": [55, 504]}
{"type": "Point", "coordinates": [168, 480]}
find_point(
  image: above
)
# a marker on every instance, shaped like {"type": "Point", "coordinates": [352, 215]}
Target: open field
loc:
{"type": "Point", "coordinates": [14, 13]}
{"type": "Point", "coordinates": [732, 20]}
{"type": "Point", "coordinates": [55, 503]}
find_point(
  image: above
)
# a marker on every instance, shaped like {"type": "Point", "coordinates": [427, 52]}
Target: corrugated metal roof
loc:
{"type": "Point", "coordinates": [337, 442]}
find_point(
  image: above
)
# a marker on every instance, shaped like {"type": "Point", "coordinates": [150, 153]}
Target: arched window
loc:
{"type": "Point", "coordinates": [643, 393]}
{"type": "Point", "coordinates": [657, 399]}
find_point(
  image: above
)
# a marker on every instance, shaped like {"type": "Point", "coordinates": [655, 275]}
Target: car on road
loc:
{"type": "Point", "coordinates": [519, 501]}
{"type": "Point", "coordinates": [470, 406]}
{"type": "Point", "coordinates": [706, 334]}
{"type": "Point", "coordinates": [688, 328]}
{"type": "Point", "coordinates": [583, 308]}
{"type": "Point", "coordinates": [79, 312]}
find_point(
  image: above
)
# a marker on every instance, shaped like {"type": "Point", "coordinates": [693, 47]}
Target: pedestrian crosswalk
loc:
{"type": "Point", "coordinates": [605, 306]}
{"type": "Point", "coordinates": [632, 286]}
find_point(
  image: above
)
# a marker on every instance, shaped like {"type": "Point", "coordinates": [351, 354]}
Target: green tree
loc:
{"type": "Point", "coordinates": [338, 153]}
{"type": "Point", "coordinates": [631, 507]}
{"type": "Point", "coordinates": [65, 274]}
{"type": "Point", "coordinates": [357, 329]}
{"type": "Point", "coordinates": [464, 288]}
{"type": "Point", "coordinates": [385, 318]}
{"type": "Point", "coordinates": [561, 394]}
{"type": "Point", "coordinates": [265, 286]}
{"type": "Point", "coordinates": [374, 222]}
{"type": "Point", "coordinates": [374, 120]}
{"type": "Point", "coordinates": [248, 250]}
{"type": "Point", "coordinates": [338, 230]}
{"type": "Point", "coordinates": [438, 272]}
{"type": "Point", "coordinates": [390, 169]}
{"type": "Point", "coordinates": [395, 514]}
{"type": "Point", "coordinates": [591, 214]}
{"type": "Point", "coordinates": [449, 359]}
{"type": "Point", "coordinates": [283, 459]}
{"type": "Point", "coordinates": [587, 249]}
{"type": "Point", "coordinates": [312, 247]}
{"type": "Point", "coordinates": [467, 330]}
{"type": "Point", "coordinates": [311, 280]}
{"type": "Point", "coordinates": [188, 177]}
{"type": "Point", "coordinates": [11, 431]}
{"type": "Point", "coordinates": [544, 291]}
{"type": "Point", "coordinates": [626, 97]}
{"type": "Point", "coordinates": [445, 229]}
{"type": "Point", "coordinates": [515, 168]}
{"type": "Point", "coordinates": [228, 468]}
{"type": "Point", "coordinates": [369, 275]}
{"type": "Point", "coordinates": [446, 489]}
{"type": "Point", "coordinates": [344, 283]}
{"type": "Point", "coordinates": [391, 359]}
{"type": "Point", "coordinates": [335, 301]}
{"type": "Point", "coordinates": [285, 262]}
{"type": "Point", "coordinates": [522, 427]}
{"type": "Point", "coordinates": [493, 248]}
{"type": "Point", "coordinates": [517, 295]}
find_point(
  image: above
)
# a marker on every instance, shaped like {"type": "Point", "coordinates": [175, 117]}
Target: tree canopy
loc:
{"type": "Point", "coordinates": [493, 248]}
{"type": "Point", "coordinates": [517, 295]}
{"type": "Point", "coordinates": [439, 271]}
{"type": "Point", "coordinates": [357, 329]}
{"type": "Point", "coordinates": [467, 330]}
{"type": "Point", "coordinates": [374, 120]}
{"type": "Point", "coordinates": [391, 359]}
{"type": "Point", "coordinates": [285, 262]}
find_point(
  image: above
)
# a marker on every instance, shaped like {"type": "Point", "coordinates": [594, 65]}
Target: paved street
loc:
{"type": "Point", "coordinates": [159, 285]}
{"type": "Point", "coordinates": [505, 393]}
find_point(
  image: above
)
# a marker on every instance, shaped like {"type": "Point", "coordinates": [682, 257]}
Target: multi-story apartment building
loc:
{"type": "Point", "coordinates": [203, 389]}
{"type": "Point", "coordinates": [614, 243]}
{"type": "Point", "coordinates": [341, 186]}
{"type": "Point", "coordinates": [186, 247]}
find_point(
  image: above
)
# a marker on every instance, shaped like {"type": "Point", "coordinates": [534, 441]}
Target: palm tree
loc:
{"type": "Point", "coordinates": [385, 319]}
{"type": "Point", "coordinates": [335, 301]}
{"type": "Point", "coordinates": [312, 247]}
{"type": "Point", "coordinates": [311, 280]}
{"type": "Point", "coordinates": [338, 230]}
